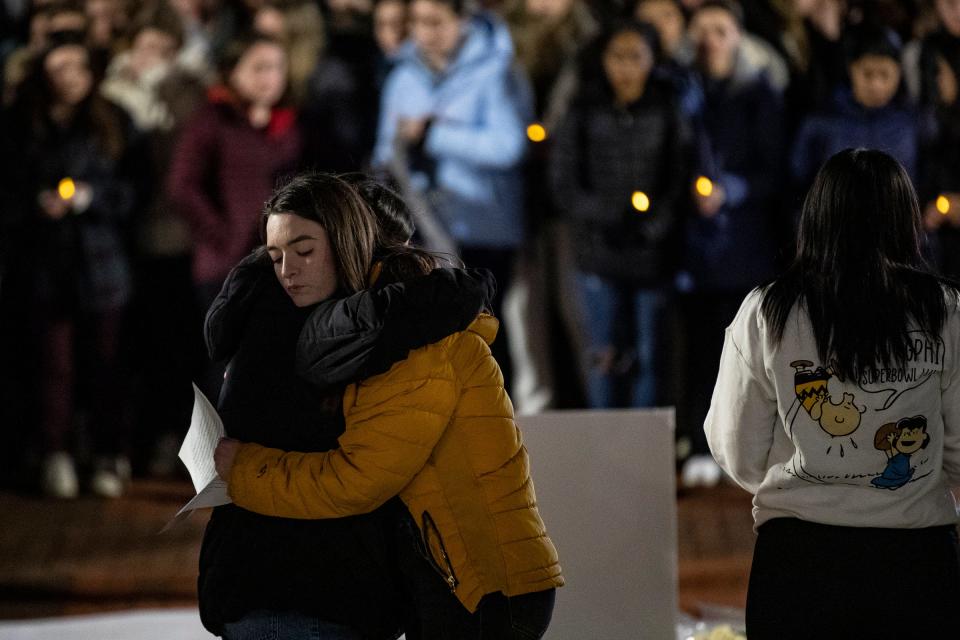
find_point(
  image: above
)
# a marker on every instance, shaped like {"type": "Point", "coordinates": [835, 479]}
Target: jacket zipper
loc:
{"type": "Point", "coordinates": [449, 576]}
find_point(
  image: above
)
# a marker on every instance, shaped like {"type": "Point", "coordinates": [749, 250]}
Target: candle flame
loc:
{"type": "Point", "coordinates": [943, 205]}
{"type": "Point", "coordinates": [704, 186]}
{"type": "Point", "coordinates": [67, 188]}
{"type": "Point", "coordinates": [640, 201]}
{"type": "Point", "coordinates": [536, 132]}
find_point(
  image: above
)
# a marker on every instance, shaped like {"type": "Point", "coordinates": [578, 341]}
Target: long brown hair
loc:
{"type": "Point", "coordinates": [400, 262]}
{"type": "Point", "coordinates": [344, 215]}
{"type": "Point", "coordinates": [35, 97]}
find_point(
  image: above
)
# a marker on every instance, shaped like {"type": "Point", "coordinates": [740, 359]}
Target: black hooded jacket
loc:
{"type": "Point", "coordinates": [338, 570]}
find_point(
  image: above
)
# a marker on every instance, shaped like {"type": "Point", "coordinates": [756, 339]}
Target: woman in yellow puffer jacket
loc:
{"type": "Point", "coordinates": [438, 430]}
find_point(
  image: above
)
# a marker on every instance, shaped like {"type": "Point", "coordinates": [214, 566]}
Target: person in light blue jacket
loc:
{"type": "Point", "coordinates": [459, 108]}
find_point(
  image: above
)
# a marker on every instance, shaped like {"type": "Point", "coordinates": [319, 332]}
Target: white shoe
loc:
{"type": "Point", "coordinates": [700, 471]}
{"type": "Point", "coordinates": [110, 477]}
{"type": "Point", "coordinates": [60, 476]}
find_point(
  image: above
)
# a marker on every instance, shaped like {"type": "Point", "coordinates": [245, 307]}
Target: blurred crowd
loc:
{"type": "Point", "coordinates": [628, 171]}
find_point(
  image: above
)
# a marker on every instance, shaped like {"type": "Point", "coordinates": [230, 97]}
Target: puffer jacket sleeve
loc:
{"type": "Point", "coordinates": [393, 423]}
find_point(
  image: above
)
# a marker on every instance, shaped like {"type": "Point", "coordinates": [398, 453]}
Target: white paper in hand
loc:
{"type": "Point", "coordinates": [205, 432]}
{"type": "Point", "coordinates": [196, 452]}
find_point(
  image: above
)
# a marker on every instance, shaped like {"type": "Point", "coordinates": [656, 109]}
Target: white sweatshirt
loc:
{"type": "Point", "coordinates": [879, 451]}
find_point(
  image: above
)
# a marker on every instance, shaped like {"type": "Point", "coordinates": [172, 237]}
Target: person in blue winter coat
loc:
{"type": "Point", "coordinates": [459, 108]}
{"type": "Point", "coordinates": [868, 114]}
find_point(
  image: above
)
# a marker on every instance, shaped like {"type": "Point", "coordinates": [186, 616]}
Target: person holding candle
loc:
{"type": "Point", "coordinates": [618, 174]}
{"type": "Point", "coordinates": [67, 191]}
{"type": "Point", "coordinates": [732, 237]}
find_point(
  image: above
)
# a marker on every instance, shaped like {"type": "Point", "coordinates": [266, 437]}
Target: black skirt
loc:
{"type": "Point", "coordinates": [812, 580]}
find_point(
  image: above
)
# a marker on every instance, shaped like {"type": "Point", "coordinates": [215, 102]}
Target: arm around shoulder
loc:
{"type": "Point", "coordinates": [393, 423]}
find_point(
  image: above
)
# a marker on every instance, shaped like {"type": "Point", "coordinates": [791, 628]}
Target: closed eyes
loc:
{"type": "Point", "coordinates": [302, 254]}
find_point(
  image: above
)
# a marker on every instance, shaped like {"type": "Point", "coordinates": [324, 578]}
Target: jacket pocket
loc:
{"type": "Point", "coordinates": [432, 547]}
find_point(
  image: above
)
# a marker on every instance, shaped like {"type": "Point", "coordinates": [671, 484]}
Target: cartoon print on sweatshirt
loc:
{"type": "Point", "coordinates": [876, 401]}
{"type": "Point", "coordinates": [835, 418]}
{"type": "Point", "coordinates": [899, 441]}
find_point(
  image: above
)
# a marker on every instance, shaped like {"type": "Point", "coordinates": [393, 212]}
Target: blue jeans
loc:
{"type": "Point", "coordinates": [621, 333]}
{"type": "Point", "coordinates": [286, 625]}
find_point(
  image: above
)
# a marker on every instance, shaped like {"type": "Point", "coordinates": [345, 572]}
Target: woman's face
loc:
{"type": "Point", "coordinates": [260, 77]}
{"type": "Point", "coordinates": [627, 62]}
{"type": "Point", "coordinates": [436, 30]}
{"type": "Point", "coordinates": [106, 18]}
{"type": "Point", "coordinates": [717, 37]}
{"type": "Point", "coordinates": [68, 71]}
{"type": "Point", "coordinates": [875, 80]}
{"type": "Point", "coordinates": [152, 48]}
{"type": "Point", "coordinates": [666, 16]}
{"type": "Point", "coordinates": [302, 258]}
{"type": "Point", "coordinates": [389, 25]}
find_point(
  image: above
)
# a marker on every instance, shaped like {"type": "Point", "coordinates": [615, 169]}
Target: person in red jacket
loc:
{"type": "Point", "coordinates": [228, 160]}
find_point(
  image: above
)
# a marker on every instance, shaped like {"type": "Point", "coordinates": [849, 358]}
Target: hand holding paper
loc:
{"type": "Point", "coordinates": [206, 429]}
{"type": "Point", "coordinates": [196, 452]}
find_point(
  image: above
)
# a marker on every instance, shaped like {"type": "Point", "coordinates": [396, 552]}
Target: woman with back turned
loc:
{"type": "Point", "coordinates": [838, 406]}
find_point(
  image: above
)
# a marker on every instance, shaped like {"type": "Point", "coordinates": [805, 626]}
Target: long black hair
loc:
{"type": "Point", "coordinates": [858, 271]}
{"type": "Point", "coordinates": [35, 97]}
{"type": "Point", "coordinates": [593, 84]}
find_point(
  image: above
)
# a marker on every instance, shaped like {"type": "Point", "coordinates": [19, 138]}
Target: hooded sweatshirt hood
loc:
{"type": "Point", "coordinates": [486, 47]}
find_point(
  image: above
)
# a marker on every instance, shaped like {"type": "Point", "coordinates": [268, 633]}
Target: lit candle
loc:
{"type": "Point", "coordinates": [67, 188]}
{"type": "Point", "coordinates": [640, 201]}
{"type": "Point", "coordinates": [704, 186]}
{"type": "Point", "coordinates": [943, 205]}
{"type": "Point", "coordinates": [536, 132]}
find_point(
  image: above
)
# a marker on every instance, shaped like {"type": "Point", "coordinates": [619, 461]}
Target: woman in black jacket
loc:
{"type": "Point", "coordinates": [336, 576]}
{"type": "Point", "coordinates": [618, 175]}
{"type": "Point", "coordinates": [66, 193]}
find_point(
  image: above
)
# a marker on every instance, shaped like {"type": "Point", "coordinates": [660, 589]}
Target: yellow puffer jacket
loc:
{"type": "Point", "coordinates": [438, 430]}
